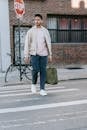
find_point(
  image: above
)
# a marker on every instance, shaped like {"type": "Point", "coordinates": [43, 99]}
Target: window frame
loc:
{"type": "Point", "coordinates": [69, 31]}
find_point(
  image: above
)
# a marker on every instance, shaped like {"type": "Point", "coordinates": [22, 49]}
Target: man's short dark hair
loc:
{"type": "Point", "coordinates": [39, 15]}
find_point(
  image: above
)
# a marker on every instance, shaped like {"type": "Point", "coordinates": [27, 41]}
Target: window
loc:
{"type": "Point", "coordinates": [23, 31]}
{"type": "Point", "coordinates": [85, 23]}
{"type": "Point", "coordinates": [67, 28]}
{"type": "Point", "coordinates": [52, 25]}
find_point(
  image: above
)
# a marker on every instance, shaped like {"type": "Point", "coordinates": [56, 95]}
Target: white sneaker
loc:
{"type": "Point", "coordinates": [33, 88]}
{"type": "Point", "coordinates": [43, 92]}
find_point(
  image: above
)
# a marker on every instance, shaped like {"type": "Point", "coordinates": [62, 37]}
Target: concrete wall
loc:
{"type": "Point", "coordinates": [4, 35]}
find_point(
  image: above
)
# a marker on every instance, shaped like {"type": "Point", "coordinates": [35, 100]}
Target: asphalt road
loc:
{"type": "Point", "coordinates": [64, 108]}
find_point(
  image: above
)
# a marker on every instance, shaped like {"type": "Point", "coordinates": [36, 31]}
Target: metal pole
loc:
{"type": "Point", "coordinates": [19, 50]}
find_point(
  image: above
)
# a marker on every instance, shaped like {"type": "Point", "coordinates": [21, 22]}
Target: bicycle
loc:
{"type": "Point", "coordinates": [25, 70]}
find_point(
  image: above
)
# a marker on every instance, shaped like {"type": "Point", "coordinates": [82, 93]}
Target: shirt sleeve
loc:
{"type": "Point", "coordinates": [48, 42]}
{"type": "Point", "coordinates": [26, 45]}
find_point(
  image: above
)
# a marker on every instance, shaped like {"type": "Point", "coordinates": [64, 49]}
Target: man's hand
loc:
{"type": "Point", "coordinates": [26, 60]}
{"type": "Point", "coordinates": [50, 58]}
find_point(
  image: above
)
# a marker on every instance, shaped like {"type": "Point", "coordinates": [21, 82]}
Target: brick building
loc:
{"type": "Point", "coordinates": [67, 24]}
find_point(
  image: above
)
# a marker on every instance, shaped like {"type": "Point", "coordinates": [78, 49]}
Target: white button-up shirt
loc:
{"type": "Point", "coordinates": [41, 48]}
{"type": "Point", "coordinates": [37, 41]}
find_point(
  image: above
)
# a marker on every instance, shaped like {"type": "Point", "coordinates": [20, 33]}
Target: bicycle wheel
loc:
{"type": "Point", "coordinates": [11, 74]}
{"type": "Point", "coordinates": [27, 72]}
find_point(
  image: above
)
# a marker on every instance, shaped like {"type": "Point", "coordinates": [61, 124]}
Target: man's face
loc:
{"type": "Point", "coordinates": [38, 21]}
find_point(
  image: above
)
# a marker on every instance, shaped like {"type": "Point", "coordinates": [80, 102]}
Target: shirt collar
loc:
{"type": "Point", "coordinates": [36, 27]}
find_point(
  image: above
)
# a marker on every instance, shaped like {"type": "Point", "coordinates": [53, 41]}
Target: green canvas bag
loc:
{"type": "Point", "coordinates": [51, 75]}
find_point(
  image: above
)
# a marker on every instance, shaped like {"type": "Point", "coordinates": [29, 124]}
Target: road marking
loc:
{"type": "Point", "coordinates": [37, 107]}
{"type": "Point", "coordinates": [73, 118]}
{"type": "Point", "coordinates": [23, 124]}
{"type": "Point", "coordinates": [48, 119]}
{"type": "Point", "coordinates": [19, 100]}
{"type": "Point", "coordinates": [29, 93]}
{"type": "Point", "coordinates": [27, 89]}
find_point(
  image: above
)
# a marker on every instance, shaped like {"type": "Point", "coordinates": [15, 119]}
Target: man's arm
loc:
{"type": "Point", "coordinates": [26, 48]}
{"type": "Point", "coordinates": [48, 41]}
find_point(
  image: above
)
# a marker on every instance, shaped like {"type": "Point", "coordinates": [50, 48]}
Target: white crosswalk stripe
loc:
{"type": "Point", "coordinates": [26, 91]}
{"type": "Point", "coordinates": [29, 93]}
{"type": "Point", "coordinates": [23, 93]}
{"type": "Point", "coordinates": [37, 107]}
{"type": "Point", "coordinates": [65, 103]}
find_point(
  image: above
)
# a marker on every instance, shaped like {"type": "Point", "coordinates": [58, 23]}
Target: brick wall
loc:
{"type": "Point", "coordinates": [70, 53]}
{"type": "Point", "coordinates": [62, 53]}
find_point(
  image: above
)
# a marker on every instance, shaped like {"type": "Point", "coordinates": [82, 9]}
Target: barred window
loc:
{"type": "Point", "coordinates": [67, 28]}
{"type": "Point", "coordinates": [23, 31]}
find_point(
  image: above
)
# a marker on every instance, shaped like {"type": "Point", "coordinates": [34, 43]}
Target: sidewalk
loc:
{"type": "Point", "coordinates": [66, 73]}
{"type": "Point", "coordinates": [72, 72]}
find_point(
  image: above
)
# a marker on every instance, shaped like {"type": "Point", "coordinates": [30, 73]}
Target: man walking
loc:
{"type": "Point", "coordinates": [37, 50]}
